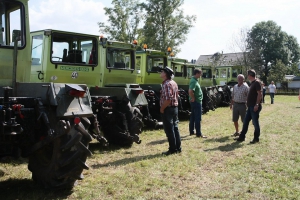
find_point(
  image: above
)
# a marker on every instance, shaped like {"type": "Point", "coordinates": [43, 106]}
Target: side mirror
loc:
{"type": "Point", "coordinates": [16, 35]}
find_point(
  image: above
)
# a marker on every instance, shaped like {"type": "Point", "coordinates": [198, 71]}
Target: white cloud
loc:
{"type": "Point", "coordinates": [218, 20]}
{"type": "Point", "coordinates": [69, 15]}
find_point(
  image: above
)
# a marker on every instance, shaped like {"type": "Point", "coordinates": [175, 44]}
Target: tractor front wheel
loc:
{"type": "Point", "coordinates": [60, 162]}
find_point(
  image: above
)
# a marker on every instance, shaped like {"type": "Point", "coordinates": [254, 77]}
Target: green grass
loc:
{"type": "Point", "coordinates": [212, 168]}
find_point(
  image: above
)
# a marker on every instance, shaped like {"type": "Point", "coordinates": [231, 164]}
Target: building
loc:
{"type": "Point", "coordinates": [220, 59]}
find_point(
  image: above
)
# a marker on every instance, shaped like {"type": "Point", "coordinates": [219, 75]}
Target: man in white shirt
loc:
{"type": "Point", "coordinates": [272, 91]}
{"type": "Point", "coordinates": [238, 102]}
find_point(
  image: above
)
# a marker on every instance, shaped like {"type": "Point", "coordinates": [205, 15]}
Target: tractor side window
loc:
{"type": "Point", "coordinates": [234, 73]}
{"type": "Point", "coordinates": [11, 24]}
{"type": "Point", "coordinates": [190, 72]}
{"type": "Point", "coordinates": [73, 49]}
{"type": "Point", "coordinates": [36, 49]}
{"type": "Point", "coordinates": [154, 64]}
{"type": "Point", "coordinates": [223, 73]}
{"type": "Point", "coordinates": [120, 59]}
{"type": "Point", "coordinates": [138, 63]}
{"type": "Point", "coordinates": [217, 73]}
{"type": "Point", "coordinates": [206, 73]}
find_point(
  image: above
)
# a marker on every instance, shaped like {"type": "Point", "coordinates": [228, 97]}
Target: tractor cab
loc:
{"type": "Point", "coordinates": [118, 62]}
{"type": "Point", "coordinates": [14, 43]}
{"type": "Point", "coordinates": [149, 62]}
{"type": "Point", "coordinates": [59, 56]}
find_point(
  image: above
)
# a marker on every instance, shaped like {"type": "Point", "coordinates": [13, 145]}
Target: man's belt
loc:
{"type": "Point", "coordinates": [240, 102]}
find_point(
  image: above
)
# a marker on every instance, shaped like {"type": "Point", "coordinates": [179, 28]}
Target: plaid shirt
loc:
{"type": "Point", "coordinates": [169, 91]}
{"type": "Point", "coordinates": [240, 93]}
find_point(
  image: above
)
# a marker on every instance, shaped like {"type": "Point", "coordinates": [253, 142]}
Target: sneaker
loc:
{"type": "Point", "coordinates": [239, 139]}
{"type": "Point", "coordinates": [236, 134]}
{"type": "Point", "coordinates": [254, 141]}
{"type": "Point", "coordinates": [192, 133]}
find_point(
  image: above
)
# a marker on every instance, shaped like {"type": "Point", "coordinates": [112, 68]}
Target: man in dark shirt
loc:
{"type": "Point", "coordinates": [169, 110]}
{"type": "Point", "coordinates": [254, 108]}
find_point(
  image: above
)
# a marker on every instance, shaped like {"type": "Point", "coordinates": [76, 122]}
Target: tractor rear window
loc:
{"type": "Point", "coordinates": [12, 21]}
{"type": "Point", "coordinates": [206, 73]}
{"type": "Point", "coordinates": [154, 64]}
{"type": "Point", "coordinates": [120, 59]}
{"type": "Point", "coordinates": [73, 49]}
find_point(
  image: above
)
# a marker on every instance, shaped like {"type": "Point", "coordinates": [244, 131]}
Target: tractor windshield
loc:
{"type": "Point", "coordinates": [120, 58]}
{"type": "Point", "coordinates": [73, 49]}
{"type": "Point", "coordinates": [11, 24]}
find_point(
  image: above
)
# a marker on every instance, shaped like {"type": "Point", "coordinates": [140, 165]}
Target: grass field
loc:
{"type": "Point", "coordinates": [212, 168]}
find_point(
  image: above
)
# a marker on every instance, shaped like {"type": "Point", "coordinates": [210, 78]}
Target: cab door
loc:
{"type": "Point", "coordinates": [37, 49]}
{"type": "Point", "coordinates": [140, 70]}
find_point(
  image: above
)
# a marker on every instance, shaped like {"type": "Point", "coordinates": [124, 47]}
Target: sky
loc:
{"type": "Point", "coordinates": [218, 21]}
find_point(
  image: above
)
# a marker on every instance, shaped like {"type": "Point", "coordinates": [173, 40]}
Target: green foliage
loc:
{"type": "Point", "coordinates": [165, 25]}
{"type": "Point", "coordinates": [277, 72]}
{"type": "Point", "coordinates": [124, 19]}
{"type": "Point", "coordinates": [267, 44]}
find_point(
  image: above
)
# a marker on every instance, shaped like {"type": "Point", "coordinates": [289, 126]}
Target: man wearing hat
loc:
{"type": "Point", "coordinates": [169, 110]}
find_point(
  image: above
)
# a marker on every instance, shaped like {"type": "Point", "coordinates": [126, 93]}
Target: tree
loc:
{"type": "Point", "coordinates": [239, 45]}
{"type": "Point", "coordinates": [277, 72]}
{"type": "Point", "coordinates": [124, 19]}
{"type": "Point", "coordinates": [267, 44]}
{"type": "Point", "coordinates": [165, 25]}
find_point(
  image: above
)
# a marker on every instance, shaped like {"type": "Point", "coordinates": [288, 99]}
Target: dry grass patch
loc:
{"type": "Point", "coordinates": [216, 167]}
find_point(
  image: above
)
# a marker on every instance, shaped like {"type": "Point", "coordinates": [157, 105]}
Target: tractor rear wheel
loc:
{"type": "Point", "coordinates": [60, 162]}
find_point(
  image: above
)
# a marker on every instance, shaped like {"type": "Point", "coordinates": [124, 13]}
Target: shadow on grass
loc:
{"type": "Point", "coordinates": [13, 160]}
{"type": "Point", "coordinates": [227, 147]}
{"type": "Point", "coordinates": [99, 148]}
{"type": "Point", "coordinates": [148, 128]}
{"type": "Point", "coordinates": [221, 139]}
{"type": "Point", "coordinates": [28, 189]}
{"type": "Point", "coordinates": [126, 161]}
{"type": "Point", "coordinates": [157, 142]}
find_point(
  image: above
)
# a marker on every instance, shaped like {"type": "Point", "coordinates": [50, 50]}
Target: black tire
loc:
{"type": "Point", "coordinates": [60, 162]}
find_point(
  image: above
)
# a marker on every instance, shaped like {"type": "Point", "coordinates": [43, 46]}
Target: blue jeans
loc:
{"type": "Point", "coordinates": [195, 118]}
{"type": "Point", "coordinates": [170, 123]}
{"type": "Point", "coordinates": [272, 97]}
{"type": "Point", "coordinates": [254, 116]}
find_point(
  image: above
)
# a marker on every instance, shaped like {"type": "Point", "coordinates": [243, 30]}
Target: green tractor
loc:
{"type": "Point", "coordinates": [106, 67]}
{"type": "Point", "coordinates": [45, 121]}
{"type": "Point", "coordinates": [148, 64]}
{"type": "Point", "coordinates": [183, 72]}
{"type": "Point", "coordinates": [225, 79]}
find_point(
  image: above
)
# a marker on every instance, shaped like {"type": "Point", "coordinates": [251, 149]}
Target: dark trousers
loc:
{"type": "Point", "coordinates": [195, 118]}
{"type": "Point", "coordinates": [272, 97]}
{"type": "Point", "coordinates": [254, 116]}
{"type": "Point", "coordinates": [170, 122]}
